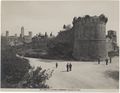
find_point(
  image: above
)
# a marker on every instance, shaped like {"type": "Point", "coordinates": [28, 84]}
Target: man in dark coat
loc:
{"type": "Point", "coordinates": [106, 61]}
{"type": "Point", "coordinates": [98, 60]}
{"type": "Point", "coordinates": [56, 65]}
{"type": "Point", "coordinates": [110, 59]}
{"type": "Point", "coordinates": [67, 66]}
{"type": "Point", "coordinates": [70, 66]}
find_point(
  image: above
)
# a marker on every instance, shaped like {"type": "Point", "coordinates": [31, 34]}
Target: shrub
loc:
{"type": "Point", "coordinates": [36, 78]}
{"type": "Point", "coordinates": [12, 67]}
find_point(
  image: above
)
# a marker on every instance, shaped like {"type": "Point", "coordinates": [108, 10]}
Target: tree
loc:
{"type": "Point", "coordinates": [36, 78]}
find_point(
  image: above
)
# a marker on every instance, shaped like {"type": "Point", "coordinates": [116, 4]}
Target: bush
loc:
{"type": "Point", "coordinates": [15, 71]}
{"type": "Point", "coordinates": [36, 78]}
{"type": "Point", "coordinates": [12, 67]}
{"type": "Point", "coordinates": [113, 53]}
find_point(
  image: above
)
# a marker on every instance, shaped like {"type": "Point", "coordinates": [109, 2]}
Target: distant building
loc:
{"type": "Point", "coordinates": [15, 40]}
{"type": "Point", "coordinates": [30, 34]}
{"type": "Point", "coordinates": [27, 39]}
{"type": "Point", "coordinates": [111, 41]}
{"type": "Point", "coordinates": [7, 33]}
{"type": "Point", "coordinates": [40, 41]}
{"type": "Point", "coordinates": [22, 32]}
{"type": "Point", "coordinates": [112, 34]}
{"type": "Point", "coordinates": [86, 40]}
{"type": "Point", "coordinates": [15, 35]}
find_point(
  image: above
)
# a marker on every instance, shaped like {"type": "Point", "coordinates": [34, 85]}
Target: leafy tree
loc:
{"type": "Point", "coordinates": [12, 67]}
{"type": "Point", "coordinates": [36, 78]}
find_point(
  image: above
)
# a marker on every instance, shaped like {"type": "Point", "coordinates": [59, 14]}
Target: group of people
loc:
{"type": "Point", "coordinates": [68, 66]}
{"type": "Point", "coordinates": [106, 60]}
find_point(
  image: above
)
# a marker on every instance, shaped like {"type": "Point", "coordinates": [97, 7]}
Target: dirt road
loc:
{"type": "Point", "coordinates": [84, 75]}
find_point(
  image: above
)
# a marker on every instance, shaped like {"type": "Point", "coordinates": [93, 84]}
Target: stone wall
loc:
{"type": "Point", "coordinates": [90, 40]}
{"type": "Point", "coordinates": [66, 36]}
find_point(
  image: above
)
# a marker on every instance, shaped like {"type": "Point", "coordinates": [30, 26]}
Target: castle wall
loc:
{"type": "Point", "coordinates": [90, 40]}
{"type": "Point", "coordinates": [66, 36]}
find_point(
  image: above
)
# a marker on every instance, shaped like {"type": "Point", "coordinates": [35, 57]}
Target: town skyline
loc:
{"type": "Point", "coordinates": [60, 45]}
{"type": "Point", "coordinates": [45, 17]}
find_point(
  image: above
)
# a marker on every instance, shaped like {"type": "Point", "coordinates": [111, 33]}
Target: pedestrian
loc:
{"type": "Point", "coordinates": [70, 66]}
{"type": "Point", "coordinates": [56, 65]}
{"type": "Point", "coordinates": [67, 66]}
{"type": "Point", "coordinates": [106, 61]}
{"type": "Point", "coordinates": [110, 59]}
{"type": "Point", "coordinates": [98, 60]}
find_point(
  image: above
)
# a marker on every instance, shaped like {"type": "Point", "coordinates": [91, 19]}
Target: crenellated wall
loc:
{"type": "Point", "coordinates": [89, 37]}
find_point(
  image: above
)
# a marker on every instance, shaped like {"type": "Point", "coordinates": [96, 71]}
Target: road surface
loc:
{"type": "Point", "coordinates": [84, 75]}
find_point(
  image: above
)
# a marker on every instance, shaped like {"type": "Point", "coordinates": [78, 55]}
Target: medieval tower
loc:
{"type": "Point", "coordinates": [7, 33]}
{"type": "Point", "coordinates": [22, 31]}
{"type": "Point", "coordinates": [89, 37]}
{"type": "Point", "coordinates": [30, 34]}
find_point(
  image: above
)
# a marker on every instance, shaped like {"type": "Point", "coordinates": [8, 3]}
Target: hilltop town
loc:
{"type": "Point", "coordinates": [63, 45]}
{"type": "Point", "coordinates": [86, 40]}
{"type": "Point", "coordinates": [29, 61]}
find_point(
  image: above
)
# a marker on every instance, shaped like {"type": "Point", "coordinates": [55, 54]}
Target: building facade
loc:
{"type": "Point", "coordinates": [15, 40]}
{"type": "Point", "coordinates": [89, 37]}
{"type": "Point", "coordinates": [111, 41]}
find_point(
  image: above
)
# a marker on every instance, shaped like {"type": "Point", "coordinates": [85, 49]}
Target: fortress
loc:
{"type": "Point", "coordinates": [87, 38]}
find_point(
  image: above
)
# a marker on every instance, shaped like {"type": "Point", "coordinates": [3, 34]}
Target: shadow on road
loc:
{"type": "Point", "coordinates": [113, 74]}
{"type": "Point", "coordinates": [63, 71]}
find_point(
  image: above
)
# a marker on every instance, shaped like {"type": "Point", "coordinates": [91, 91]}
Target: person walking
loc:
{"type": "Point", "coordinates": [56, 65]}
{"type": "Point", "coordinates": [106, 61]}
{"type": "Point", "coordinates": [70, 66]}
{"type": "Point", "coordinates": [67, 66]}
{"type": "Point", "coordinates": [98, 60]}
{"type": "Point", "coordinates": [110, 59]}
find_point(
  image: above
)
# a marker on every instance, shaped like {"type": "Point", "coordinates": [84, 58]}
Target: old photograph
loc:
{"type": "Point", "coordinates": [60, 45]}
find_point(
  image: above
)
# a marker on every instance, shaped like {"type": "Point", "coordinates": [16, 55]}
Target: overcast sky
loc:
{"type": "Point", "coordinates": [39, 16]}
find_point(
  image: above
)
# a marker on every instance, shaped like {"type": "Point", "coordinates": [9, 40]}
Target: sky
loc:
{"type": "Point", "coordinates": [50, 16]}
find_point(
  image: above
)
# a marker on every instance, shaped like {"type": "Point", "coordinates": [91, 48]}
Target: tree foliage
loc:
{"type": "Point", "coordinates": [36, 78]}
{"type": "Point", "coordinates": [15, 70]}
{"type": "Point", "coordinates": [12, 67]}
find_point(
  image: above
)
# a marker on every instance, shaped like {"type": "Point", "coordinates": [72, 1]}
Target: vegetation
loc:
{"type": "Point", "coordinates": [12, 67]}
{"type": "Point", "coordinates": [60, 50]}
{"type": "Point", "coordinates": [113, 53]}
{"type": "Point", "coordinates": [113, 74]}
{"type": "Point", "coordinates": [35, 78]}
{"type": "Point", "coordinates": [15, 70]}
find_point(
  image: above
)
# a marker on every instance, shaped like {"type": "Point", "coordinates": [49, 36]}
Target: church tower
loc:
{"type": "Point", "coordinates": [22, 31]}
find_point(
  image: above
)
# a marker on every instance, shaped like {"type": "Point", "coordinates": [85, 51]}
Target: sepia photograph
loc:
{"type": "Point", "coordinates": [60, 45]}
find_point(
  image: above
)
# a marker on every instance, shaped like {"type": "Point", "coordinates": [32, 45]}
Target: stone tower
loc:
{"type": "Point", "coordinates": [46, 34]}
{"type": "Point", "coordinates": [22, 31]}
{"type": "Point", "coordinates": [112, 35]}
{"type": "Point", "coordinates": [30, 34]}
{"type": "Point", "coordinates": [7, 33]}
{"type": "Point", "coordinates": [89, 37]}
